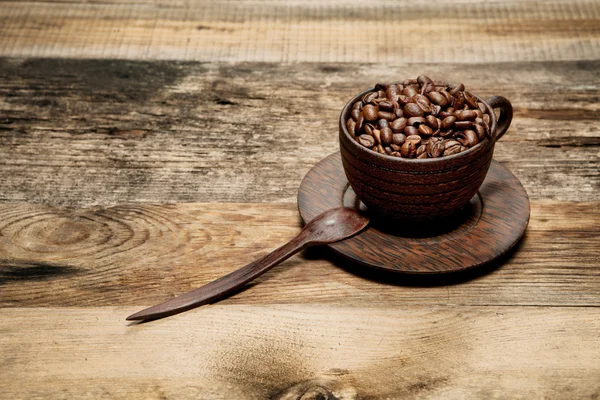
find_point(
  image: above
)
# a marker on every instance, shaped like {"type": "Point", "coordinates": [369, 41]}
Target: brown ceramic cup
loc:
{"type": "Point", "coordinates": [420, 189]}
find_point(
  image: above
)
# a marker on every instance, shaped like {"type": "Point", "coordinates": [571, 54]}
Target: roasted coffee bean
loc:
{"type": "Point", "coordinates": [462, 125]}
{"type": "Point", "coordinates": [410, 131]}
{"type": "Point", "coordinates": [386, 135]}
{"type": "Point", "coordinates": [416, 121]}
{"type": "Point", "coordinates": [466, 115]}
{"type": "Point", "coordinates": [433, 122]}
{"type": "Point", "coordinates": [459, 101]}
{"type": "Point", "coordinates": [437, 149]}
{"type": "Point", "coordinates": [416, 139]}
{"type": "Point", "coordinates": [359, 124]}
{"type": "Point", "coordinates": [409, 91]}
{"type": "Point", "coordinates": [412, 110]}
{"type": "Point", "coordinates": [424, 130]}
{"type": "Point", "coordinates": [458, 88]}
{"type": "Point", "coordinates": [383, 123]}
{"type": "Point", "coordinates": [366, 140]}
{"type": "Point", "coordinates": [386, 115]}
{"type": "Point", "coordinates": [350, 125]}
{"type": "Point", "coordinates": [370, 112]}
{"type": "Point", "coordinates": [438, 99]}
{"type": "Point", "coordinates": [447, 133]}
{"type": "Point", "coordinates": [377, 136]}
{"type": "Point", "coordinates": [470, 99]}
{"type": "Point", "coordinates": [480, 131]}
{"type": "Point", "coordinates": [398, 138]}
{"type": "Point", "coordinates": [423, 79]}
{"type": "Point", "coordinates": [419, 118]}
{"type": "Point", "coordinates": [448, 122]}
{"type": "Point", "coordinates": [369, 97]}
{"type": "Point", "coordinates": [408, 149]}
{"type": "Point", "coordinates": [403, 100]}
{"type": "Point", "coordinates": [386, 105]}
{"type": "Point", "coordinates": [398, 125]}
{"type": "Point", "coordinates": [481, 107]}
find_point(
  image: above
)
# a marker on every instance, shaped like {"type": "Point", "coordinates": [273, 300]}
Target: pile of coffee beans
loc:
{"type": "Point", "coordinates": [418, 118]}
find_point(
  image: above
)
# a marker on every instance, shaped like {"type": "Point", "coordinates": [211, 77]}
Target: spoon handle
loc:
{"type": "Point", "coordinates": [224, 285]}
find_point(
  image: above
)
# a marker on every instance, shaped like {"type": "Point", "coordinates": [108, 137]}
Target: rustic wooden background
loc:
{"type": "Point", "coordinates": [150, 146]}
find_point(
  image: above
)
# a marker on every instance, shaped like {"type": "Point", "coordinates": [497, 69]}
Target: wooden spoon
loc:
{"type": "Point", "coordinates": [331, 226]}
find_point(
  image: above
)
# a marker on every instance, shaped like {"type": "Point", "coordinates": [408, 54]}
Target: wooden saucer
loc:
{"type": "Point", "coordinates": [487, 228]}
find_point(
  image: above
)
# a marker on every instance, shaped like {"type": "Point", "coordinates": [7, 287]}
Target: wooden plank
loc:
{"type": "Point", "coordinates": [140, 255]}
{"type": "Point", "coordinates": [258, 352]}
{"type": "Point", "coordinates": [316, 30]}
{"type": "Point", "coordinates": [92, 132]}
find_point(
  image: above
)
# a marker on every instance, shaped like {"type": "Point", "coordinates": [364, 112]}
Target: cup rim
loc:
{"type": "Point", "coordinates": [488, 141]}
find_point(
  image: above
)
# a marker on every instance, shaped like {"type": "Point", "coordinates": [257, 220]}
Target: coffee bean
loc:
{"type": "Point", "coordinates": [437, 149]}
{"type": "Point", "coordinates": [370, 112]}
{"type": "Point", "coordinates": [410, 131]}
{"type": "Point", "coordinates": [480, 131]}
{"type": "Point", "coordinates": [412, 110]}
{"type": "Point", "coordinates": [386, 115]}
{"type": "Point", "coordinates": [359, 124]}
{"type": "Point", "coordinates": [423, 79]}
{"type": "Point", "coordinates": [470, 99]}
{"type": "Point", "coordinates": [369, 97]}
{"type": "Point", "coordinates": [466, 115]}
{"type": "Point", "coordinates": [424, 130]}
{"type": "Point", "coordinates": [409, 91]}
{"type": "Point", "coordinates": [438, 99]}
{"type": "Point", "coordinates": [462, 125]}
{"type": "Point", "coordinates": [416, 121]}
{"type": "Point", "coordinates": [386, 105]}
{"type": "Point", "coordinates": [419, 118]}
{"type": "Point", "coordinates": [448, 122]}
{"type": "Point", "coordinates": [377, 136]}
{"type": "Point", "coordinates": [350, 125]}
{"type": "Point", "coordinates": [433, 122]}
{"type": "Point", "coordinates": [386, 135]}
{"type": "Point", "coordinates": [458, 88]}
{"type": "Point", "coordinates": [416, 139]}
{"type": "Point", "coordinates": [408, 149]}
{"type": "Point", "coordinates": [366, 140]}
{"type": "Point", "coordinates": [399, 138]}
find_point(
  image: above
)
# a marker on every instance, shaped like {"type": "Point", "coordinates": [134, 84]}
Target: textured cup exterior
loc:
{"type": "Point", "coordinates": [398, 188]}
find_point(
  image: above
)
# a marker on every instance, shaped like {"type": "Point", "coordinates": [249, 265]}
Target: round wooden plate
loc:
{"type": "Point", "coordinates": [487, 228]}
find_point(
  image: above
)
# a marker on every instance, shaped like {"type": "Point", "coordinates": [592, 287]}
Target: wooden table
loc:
{"type": "Point", "coordinates": [150, 146]}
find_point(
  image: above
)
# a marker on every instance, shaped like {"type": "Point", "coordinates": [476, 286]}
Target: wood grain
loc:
{"type": "Point", "coordinates": [143, 254]}
{"type": "Point", "coordinates": [273, 351]}
{"type": "Point", "coordinates": [290, 31]}
{"type": "Point", "coordinates": [93, 132]}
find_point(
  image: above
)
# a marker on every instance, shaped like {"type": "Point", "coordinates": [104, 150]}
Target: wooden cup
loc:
{"type": "Point", "coordinates": [419, 189]}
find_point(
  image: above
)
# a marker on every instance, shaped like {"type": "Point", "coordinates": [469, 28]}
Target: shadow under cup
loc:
{"type": "Point", "coordinates": [421, 197]}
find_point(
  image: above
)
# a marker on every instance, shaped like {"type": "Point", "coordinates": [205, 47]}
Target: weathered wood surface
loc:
{"type": "Point", "coordinates": [257, 352]}
{"type": "Point", "coordinates": [94, 132]}
{"type": "Point", "coordinates": [317, 30]}
{"type": "Point", "coordinates": [140, 255]}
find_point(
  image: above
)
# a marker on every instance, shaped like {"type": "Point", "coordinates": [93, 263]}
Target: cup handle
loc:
{"type": "Point", "coordinates": [506, 114]}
